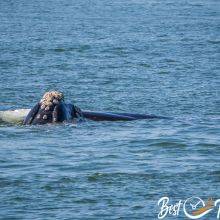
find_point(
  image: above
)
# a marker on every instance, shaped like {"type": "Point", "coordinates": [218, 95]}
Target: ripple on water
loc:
{"type": "Point", "coordinates": [147, 56]}
{"type": "Point", "coordinates": [216, 41]}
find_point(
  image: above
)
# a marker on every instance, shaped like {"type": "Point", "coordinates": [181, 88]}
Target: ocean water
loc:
{"type": "Point", "coordinates": [155, 57]}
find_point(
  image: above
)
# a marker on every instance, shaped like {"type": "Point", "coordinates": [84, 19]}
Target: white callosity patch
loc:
{"type": "Point", "coordinates": [50, 98]}
{"type": "Point", "coordinates": [47, 108]}
{"type": "Point", "coordinates": [45, 117]}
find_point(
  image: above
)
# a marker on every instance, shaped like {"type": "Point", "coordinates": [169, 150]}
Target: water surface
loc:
{"type": "Point", "coordinates": [156, 57]}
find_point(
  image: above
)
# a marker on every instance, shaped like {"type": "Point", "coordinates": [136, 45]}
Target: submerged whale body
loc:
{"type": "Point", "coordinates": [53, 109]}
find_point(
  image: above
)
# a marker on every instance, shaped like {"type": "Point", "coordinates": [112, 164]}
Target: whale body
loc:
{"type": "Point", "coordinates": [18, 116]}
{"type": "Point", "coordinates": [53, 109]}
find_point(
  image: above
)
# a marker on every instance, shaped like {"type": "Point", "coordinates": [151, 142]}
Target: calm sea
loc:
{"type": "Point", "coordinates": [147, 56]}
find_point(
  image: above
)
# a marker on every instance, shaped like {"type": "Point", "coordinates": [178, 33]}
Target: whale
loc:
{"type": "Point", "coordinates": [52, 108]}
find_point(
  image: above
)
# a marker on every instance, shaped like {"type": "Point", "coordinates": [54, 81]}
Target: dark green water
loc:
{"type": "Point", "coordinates": [156, 57]}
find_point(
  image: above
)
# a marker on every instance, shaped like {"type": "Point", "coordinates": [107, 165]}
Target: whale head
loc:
{"type": "Point", "coordinates": [48, 110]}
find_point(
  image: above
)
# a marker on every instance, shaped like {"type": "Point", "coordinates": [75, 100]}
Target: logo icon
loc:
{"type": "Point", "coordinates": [195, 208]}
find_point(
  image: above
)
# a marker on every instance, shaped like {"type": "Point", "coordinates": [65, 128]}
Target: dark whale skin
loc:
{"type": "Point", "coordinates": [67, 112]}
{"type": "Point", "coordinates": [116, 116]}
{"type": "Point", "coordinates": [56, 113]}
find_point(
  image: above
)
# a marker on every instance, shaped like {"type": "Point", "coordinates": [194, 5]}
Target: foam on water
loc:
{"type": "Point", "coordinates": [13, 116]}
